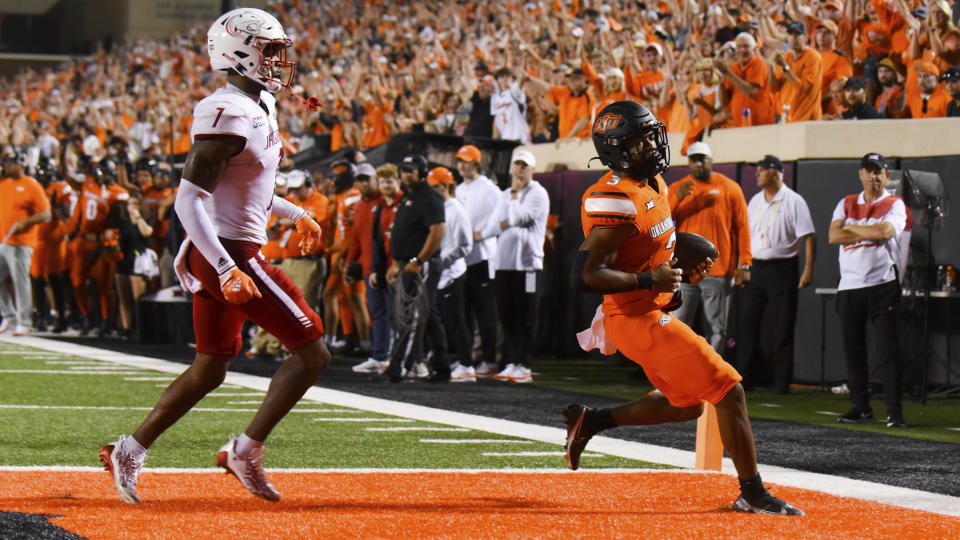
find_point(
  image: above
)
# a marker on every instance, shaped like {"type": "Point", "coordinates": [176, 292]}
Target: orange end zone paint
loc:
{"type": "Point", "coordinates": [475, 505]}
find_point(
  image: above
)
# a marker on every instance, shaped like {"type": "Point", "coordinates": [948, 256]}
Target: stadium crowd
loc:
{"type": "Point", "coordinates": [99, 132]}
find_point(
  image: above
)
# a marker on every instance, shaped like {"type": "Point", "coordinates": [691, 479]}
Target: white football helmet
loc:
{"type": "Point", "coordinates": [253, 43]}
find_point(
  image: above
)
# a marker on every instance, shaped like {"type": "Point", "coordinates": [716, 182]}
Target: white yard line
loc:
{"type": "Point", "coordinates": [474, 441]}
{"type": "Point", "coordinates": [68, 372]}
{"type": "Point", "coordinates": [534, 454]}
{"type": "Point", "coordinates": [364, 419]}
{"type": "Point", "coordinates": [197, 409]}
{"type": "Point", "coordinates": [834, 485]}
{"type": "Point", "coordinates": [415, 428]}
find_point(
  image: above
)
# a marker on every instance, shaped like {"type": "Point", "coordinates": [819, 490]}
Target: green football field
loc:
{"type": "Point", "coordinates": [59, 409]}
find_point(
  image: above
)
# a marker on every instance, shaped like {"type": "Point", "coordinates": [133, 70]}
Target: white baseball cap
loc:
{"type": "Point", "coordinates": [295, 179]}
{"type": "Point", "coordinates": [365, 169]}
{"type": "Point", "coordinates": [700, 148]}
{"type": "Point", "coordinates": [525, 156]}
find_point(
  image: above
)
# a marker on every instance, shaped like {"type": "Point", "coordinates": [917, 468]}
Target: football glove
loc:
{"type": "Point", "coordinates": [309, 234]}
{"type": "Point", "coordinates": [237, 286]}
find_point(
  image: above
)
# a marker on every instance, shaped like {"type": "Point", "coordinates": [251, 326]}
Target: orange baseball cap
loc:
{"type": "Point", "coordinates": [834, 4]}
{"type": "Point", "coordinates": [439, 175]}
{"type": "Point", "coordinates": [829, 25]}
{"type": "Point", "coordinates": [927, 67]}
{"type": "Point", "coordinates": [468, 152]}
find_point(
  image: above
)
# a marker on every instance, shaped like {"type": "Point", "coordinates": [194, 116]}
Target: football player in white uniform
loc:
{"type": "Point", "coordinates": [224, 201]}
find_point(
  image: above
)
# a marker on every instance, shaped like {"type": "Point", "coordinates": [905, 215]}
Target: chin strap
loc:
{"type": "Point", "coordinates": [591, 160]}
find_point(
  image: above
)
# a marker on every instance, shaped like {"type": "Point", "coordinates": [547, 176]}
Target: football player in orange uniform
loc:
{"type": "Point", "coordinates": [336, 294]}
{"type": "Point", "coordinates": [97, 249]}
{"type": "Point", "coordinates": [628, 257]}
{"type": "Point", "coordinates": [49, 259]}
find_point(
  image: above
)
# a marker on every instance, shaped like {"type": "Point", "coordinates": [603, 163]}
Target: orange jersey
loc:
{"type": "Point", "coordinates": [316, 204]}
{"type": "Point", "coordinates": [376, 129]}
{"type": "Point", "coordinates": [614, 201]}
{"type": "Point", "coordinates": [20, 199]}
{"type": "Point", "coordinates": [935, 106]}
{"type": "Point", "coordinates": [273, 250]}
{"type": "Point", "coordinates": [716, 210]}
{"type": "Point", "coordinates": [572, 109]}
{"type": "Point", "coordinates": [800, 101]}
{"type": "Point", "coordinates": [51, 232]}
{"type": "Point", "coordinates": [761, 105]}
{"type": "Point", "coordinates": [835, 65]}
{"type": "Point", "coordinates": [93, 208]}
{"type": "Point", "coordinates": [153, 200]}
{"type": "Point", "coordinates": [344, 203]}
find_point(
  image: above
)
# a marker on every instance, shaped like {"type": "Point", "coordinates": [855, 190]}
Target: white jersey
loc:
{"type": "Point", "coordinates": [508, 107]}
{"type": "Point", "coordinates": [241, 203]}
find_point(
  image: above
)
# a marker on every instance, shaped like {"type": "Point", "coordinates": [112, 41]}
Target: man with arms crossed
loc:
{"type": "Point", "coordinates": [225, 199]}
{"type": "Point", "coordinates": [627, 256]}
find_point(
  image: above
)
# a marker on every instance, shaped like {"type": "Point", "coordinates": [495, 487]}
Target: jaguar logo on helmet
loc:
{"type": "Point", "coordinates": [607, 122]}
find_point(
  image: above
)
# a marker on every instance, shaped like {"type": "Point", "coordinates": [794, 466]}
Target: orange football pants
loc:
{"type": "Point", "coordinates": [680, 363]}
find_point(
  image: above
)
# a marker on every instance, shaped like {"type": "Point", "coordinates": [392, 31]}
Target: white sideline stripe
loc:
{"type": "Point", "coordinates": [365, 419]}
{"type": "Point", "coordinates": [828, 413]}
{"type": "Point", "coordinates": [42, 357]}
{"type": "Point", "coordinates": [217, 470]}
{"type": "Point", "coordinates": [414, 428]}
{"type": "Point", "coordinates": [235, 394]}
{"type": "Point", "coordinates": [97, 368]}
{"type": "Point", "coordinates": [474, 441]}
{"type": "Point", "coordinates": [824, 483]}
{"type": "Point", "coordinates": [198, 409]}
{"type": "Point", "coordinates": [71, 362]}
{"type": "Point", "coordinates": [954, 428]}
{"type": "Point", "coordinates": [769, 405]}
{"type": "Point", "coordinates": [143, 379]}
{"type": "Point", "coordinates": [68, 372]}
{"type": "Point", "coordinates": [534, 454]}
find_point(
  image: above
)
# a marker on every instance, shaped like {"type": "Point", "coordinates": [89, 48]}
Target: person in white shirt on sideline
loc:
{"type": "Point", "coordinates": [479, 195]}
{"type": "Point", "coordinates": [457, 242]}
{"type": "Point", "coordinates": [508, 105]}
{"type": "Point", "coordinates": [871, 227]}
{"type": "Point", "coordinates": [780, 226]}
{"type": "Point", "coordinates": [520, 222]}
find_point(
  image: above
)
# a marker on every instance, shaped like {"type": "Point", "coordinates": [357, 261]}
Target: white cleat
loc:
{"type": "Point", "coordinates": [248, 469]}
{"type": "Point", "coordinates": [371, 365]}
{"type": "Point", "coordinates": [506, 373]}
{"type": "Point", "coordinates": [463, 374]}
{"type": "Point", "coordinates": [124, 468]}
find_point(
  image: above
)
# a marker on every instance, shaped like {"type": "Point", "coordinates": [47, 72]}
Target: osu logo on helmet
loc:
{"type": "Point", "coordinates": [606, 122]}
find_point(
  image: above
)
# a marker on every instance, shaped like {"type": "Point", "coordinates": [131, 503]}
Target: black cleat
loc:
{"type": "Point", "coordinates": [896, 420]}
{"type": "Point", "coordinates": [765, 504]}
{"type": "Point", "coordinates": [577, 436]}
{"type": "Point", "coordinates": [856, 415]}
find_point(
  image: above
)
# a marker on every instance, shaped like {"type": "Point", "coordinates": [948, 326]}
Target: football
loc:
{"type": "Point", "coordinates": [691, 250]}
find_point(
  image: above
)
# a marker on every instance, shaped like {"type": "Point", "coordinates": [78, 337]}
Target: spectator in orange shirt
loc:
{"type": "Point", "coordinates": [930, 101]}
{"type": "Point", "coordinates": [951, 83]}
{"type": "Point", "coordinates": [712, 205]}
{"type": "Point", "coordinates": [836, 63]}
{"type": "Point", "coordinates": [799, 78]}
{"type": "Point", "coordinates": [890, 99]}
{"type": "Point", "coordinates": [833, 10]}
{"type": "Point", "coordinates": [575, 102]}
{"type": "Point", "coordinates": [23, 204]}
{"type": "Point", "coordinates": [746, 89]}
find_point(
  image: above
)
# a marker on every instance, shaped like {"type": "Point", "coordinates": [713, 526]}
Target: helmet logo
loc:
{"type": "Point", "coordinates": [606, 122]}
{"type": "Point", "coordinates": [251, 25]}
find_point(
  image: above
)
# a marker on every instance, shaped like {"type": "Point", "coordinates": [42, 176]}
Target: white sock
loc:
{"type": "Point", "coordinates": [245, 445]}
{"type": "Point", "coordinates": [132, 447]}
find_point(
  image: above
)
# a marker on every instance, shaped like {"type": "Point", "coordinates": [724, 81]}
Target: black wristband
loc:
{"type": "Point", "coordinates": [644, 280]}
